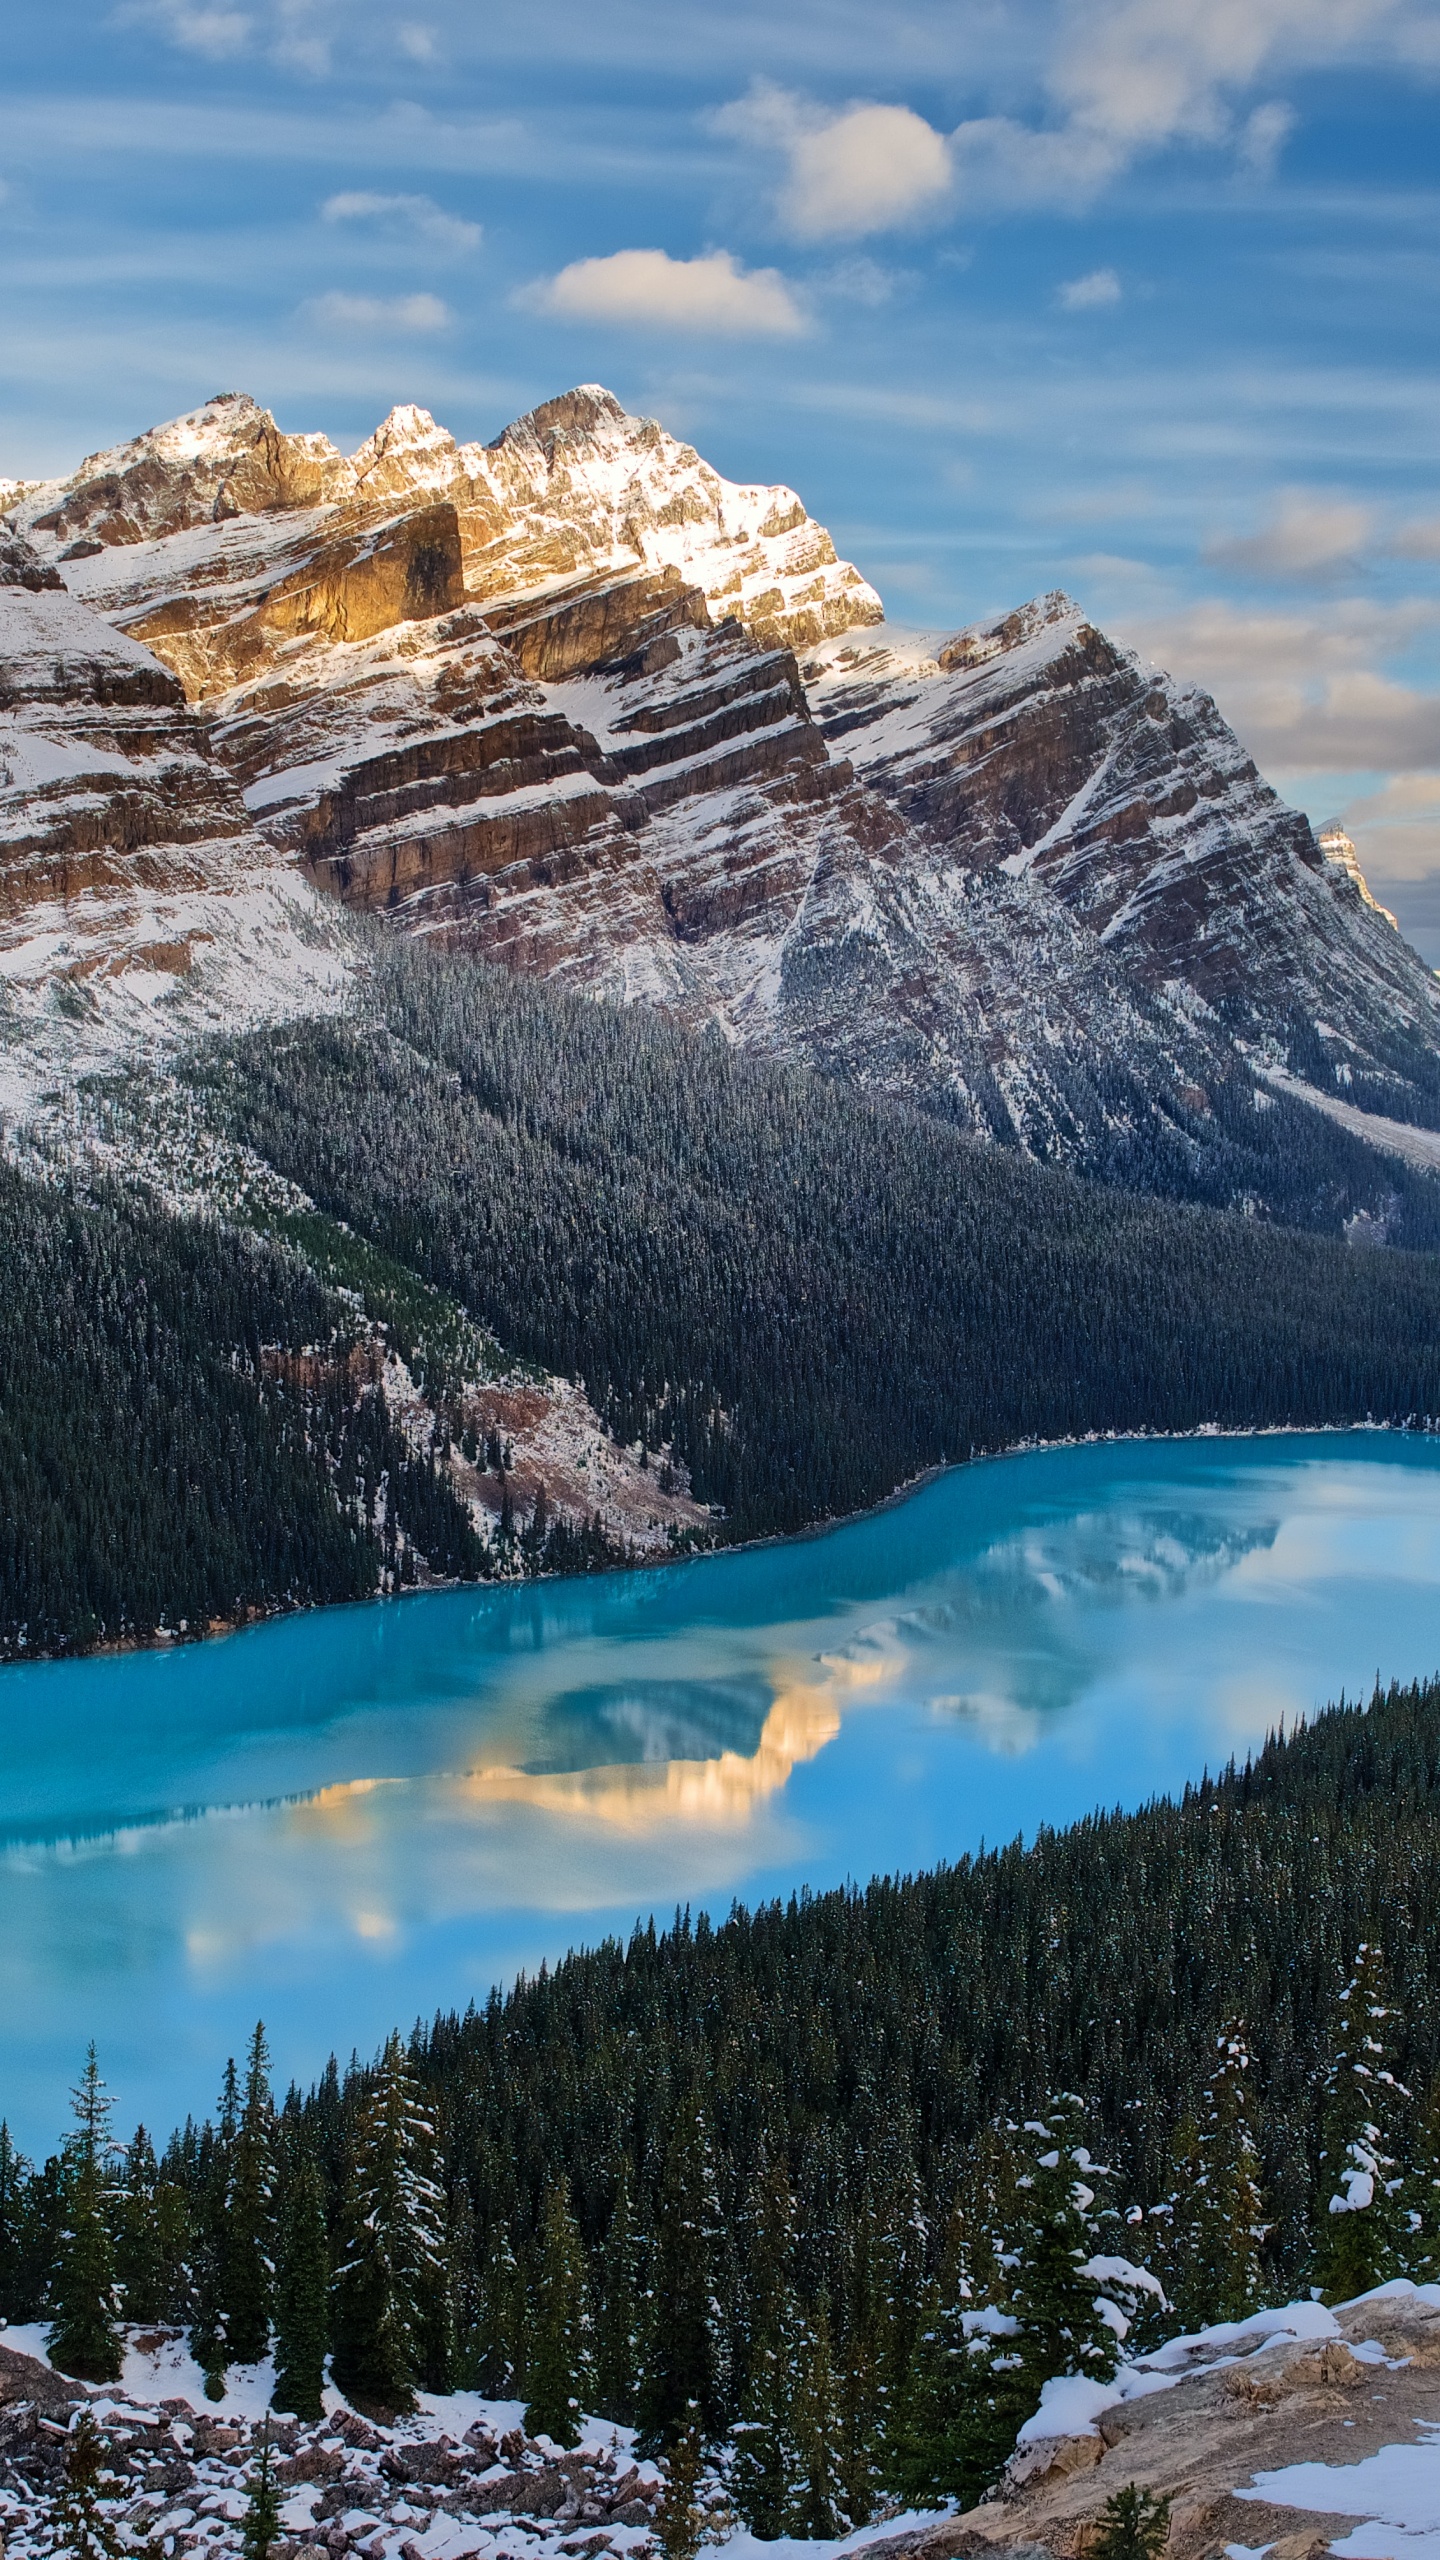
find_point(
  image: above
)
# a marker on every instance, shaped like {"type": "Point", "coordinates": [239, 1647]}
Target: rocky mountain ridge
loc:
{"type": "Point", "coordinates": [575, 702]}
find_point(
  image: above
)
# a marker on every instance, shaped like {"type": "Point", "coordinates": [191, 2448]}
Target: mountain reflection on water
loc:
{"type": "Point", "coordinates": [343, 1820]}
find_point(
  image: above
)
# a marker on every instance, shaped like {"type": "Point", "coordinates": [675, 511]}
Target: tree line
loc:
{"type": "Point", "coordinates": [836, 2187]}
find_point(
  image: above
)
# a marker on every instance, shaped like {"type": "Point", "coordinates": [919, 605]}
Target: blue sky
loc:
{"type": "Point", "coordinates": [1137, 297]}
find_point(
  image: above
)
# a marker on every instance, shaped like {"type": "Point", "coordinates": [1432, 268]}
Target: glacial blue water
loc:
{"type": "Point", "coordinates": [341, 1821]}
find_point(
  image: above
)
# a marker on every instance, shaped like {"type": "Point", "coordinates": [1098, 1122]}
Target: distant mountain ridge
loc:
{"type": "Point", "coordinates": [573, 701]}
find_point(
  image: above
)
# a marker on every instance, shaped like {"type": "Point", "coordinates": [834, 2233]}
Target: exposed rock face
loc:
{"type": "Point", "coordinates": [576, 701]}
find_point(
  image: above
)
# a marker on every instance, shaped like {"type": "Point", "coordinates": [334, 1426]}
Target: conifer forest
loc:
{"type": "Point", "coordinates": [830, 2189]}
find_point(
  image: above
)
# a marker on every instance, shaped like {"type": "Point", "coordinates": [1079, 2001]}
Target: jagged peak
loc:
{"type": "Point", "coordinates": [982, 640]}
{"type": "Point", "coordinates": [570, 414]}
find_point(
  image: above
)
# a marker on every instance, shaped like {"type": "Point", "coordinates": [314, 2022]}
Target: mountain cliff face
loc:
{"type": "Point", "coordinates": [575, 702]}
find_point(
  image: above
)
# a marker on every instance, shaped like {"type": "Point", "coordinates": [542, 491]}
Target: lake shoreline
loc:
{"type": "Point", "coordinates": [216, 1630]}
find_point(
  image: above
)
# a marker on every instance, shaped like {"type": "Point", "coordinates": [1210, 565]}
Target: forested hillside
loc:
{"type": "Point", "coordinates": [813, 1297]}
{"type": "Point", "coordinates": [838, 2184]}
{"type": "Point", "coordinates": [161, 1466]}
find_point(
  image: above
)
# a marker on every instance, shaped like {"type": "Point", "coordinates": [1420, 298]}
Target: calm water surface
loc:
{"type": "Point", "coordinates": [345, 1820]}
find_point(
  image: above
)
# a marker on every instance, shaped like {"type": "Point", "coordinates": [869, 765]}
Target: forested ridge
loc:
{"type": "Point", "coordinates": [157, 1469]}
{"type": "Point", "coordinates": [810, 1295]}
{"type": "Point", "coordinates": [837, 2184]}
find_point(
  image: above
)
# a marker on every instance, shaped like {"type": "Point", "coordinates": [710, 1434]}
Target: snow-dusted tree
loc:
{"type": "Point", "coordinates": [84, 2336]}
{"type": "Point", "coordinates": [817, 2511]}
{"type": "Point", "coordinates": [1361, 2222]}
{"type": "Point", "coordinates": [617, 2323]}
{"type": "Point", "coordinates": [681, 2380]}
{"type": "Point", "coordinates": [248, 2254]}
{"type": "Point", "coordinates": [392, 2221]}
{"type": "Point", "coordinates": [1422, 2194]}
{"type": "Point", "coordinates": [209, 2343]}
{"type": "Point", "coordinates": [955, 2421]}
{"type": "Point", "coordinates": [764, 2476]}
{"type": "Point", "coordinates": [15, 2176]}
{"type": "Point", "coordinates": [82, 2529]}
{"type": "Point", "coordinates": [680, 2524]}
{"type": "Point", "coordinates": [500, 2362]}
{"type": "Point", "coordinates": [556, 2367]}
{"type": "Point", "coordinates": [1056, 2291]}
{"type": "Point", "coordinates": [260, 2524]}
{"type": "Point", "coordinates": [302, 2293]}
{"type": "Point", "coordinates": [1215, 2226]}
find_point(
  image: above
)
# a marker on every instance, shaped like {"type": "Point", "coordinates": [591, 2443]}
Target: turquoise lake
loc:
{"type": "Point", "coordinates": [341, 1821]}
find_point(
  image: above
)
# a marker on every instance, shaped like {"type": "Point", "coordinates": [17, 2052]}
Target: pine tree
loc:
{"type": "Point", "coordinates": [617, 2325]}
{"type": "Point", "coordinates": [765, 2476]}
{"type": "Point", "coordinates": [82, 2529]}
{"type": "Point", "coordinates": [1060, 2327]}
{"type": "Point", "coordinates": [260, 2526]}
{"type": "Point", "coordinates": [1422, 2195]}
{"type": "Point", "coordinates": [556, 2365]}
{"type": "Point", "coordinates": [462, 2272]}
{"type": "Point", "coordinates": [15, 2178]}
{"type": "Point", "coordinates": [500, 2370]}
{"type": "Point", "coordinates": [680, 2523]}
{"type": "Point", "coordinates": [209, 2343]}
{"type": "Point", "coordinates": [248, 2257]}
{"type": "Point", "coordinates": [817, 2505]}
{"type": "Point", "coordinates": [1361, 2236]}
{"type": "Point", "coordinates": [682, 2375]}
{"type": "Point", "coordinates": [1134, 2525]}
{"type": "Point", "coordinates": [302, 2295]}
{"type": "Point", "coordinates": [392, 2241]}
{"type": "Point", "coordinates": [84, 2338]}
{"type": "Point", "coordinates": [139, 2268]}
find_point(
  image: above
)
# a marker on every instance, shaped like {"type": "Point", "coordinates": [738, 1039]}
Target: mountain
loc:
{"type": "Point", "coordinates": [574, 702]}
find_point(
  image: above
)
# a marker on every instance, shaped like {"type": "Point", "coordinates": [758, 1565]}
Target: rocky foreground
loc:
{"type": "Point", "coordinates": [1300, 2432]}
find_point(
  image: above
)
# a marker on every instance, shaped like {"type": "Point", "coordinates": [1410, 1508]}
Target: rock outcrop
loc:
{"type": "Point", "coordinates": [575, 701]}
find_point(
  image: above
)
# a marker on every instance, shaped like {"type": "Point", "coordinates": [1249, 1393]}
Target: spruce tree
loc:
{"type": "Point", "coordinates": [817, 2504]}
{"type": "Point", "coordinates": [557, 2361]}
{"type": "Point", "coordinates": [139, 2265]}
{"type": "Point", "coordinates": [84, 2336]}
{"type": "Point", "coordinates": [1060, 2328]}
{"type": "Point", "coordinates": [15, 2178]}
{"type": "Point", "coordinates": [82, 2529]}
{"type": "Point", "coordinates": [765, 2472]}
{"type": "Point", "coordinates": [500, 2369]}
{"type": "Point", "coordinates": [1422, 2194]}
{"type": "Point", "coordinates": [682, 2376]}
{"type": "Point", "coordinates": [392, 2240]}
{"type": "Point", "coordinates": [1134, 2525]}
{"type": "Point", "coordinates": [248, 2254]}
{"type": "Point", "coordinates": [680, 2523]}
{"type": "Point", "coordinates": [209, 2342]}
{"type": "Point", "coordinates": [462, 2274]}
{"type": "Point", "coordinates": [1361, 2234]}
{"type": "Point", "coordinates": [302, 2294]}
{"type": "Point", "coordinates": [260, 2526]}
{"type": "Point", "coordinates": [617, 2323]}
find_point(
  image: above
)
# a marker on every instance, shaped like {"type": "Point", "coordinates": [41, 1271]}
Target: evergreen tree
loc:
{"type": "Point", "coordinates": [500, 2371]}
{"type": "Point", "coordinates": [1134, 2525]}
{"type": "Point", "coordinates": [682, 2372]}
{"type": "Point", "coordinates": [617, 2325]}
{"type": "Point", "coordinates": [209, 2343]}
{"type": "Point", "coordinates": [84, 2336]}
{"type": "Point", "coordinates": [462, 2287]}
{"type": "Point", "coordinates": [302, 2294]}
{"type": "Point", "coordinates": [680, 2523]}
{"type": "Point", "coordinates": [817, 2505]}
{"type": "Point", "coordinates": [82, 2529]}
{"type": "Point", "coordinates": [1361, 2236]}
{"type": "Point", "coordinates": [556, 2365]}
{"type": "Point", "coordinates": [1422, 2194]}
{"type": "Point", "coordinates": [765, 2477]}
{"type": "Point", "coordinates": [959, 2402]}
{"type": "Point", "coordinates": [391, 2219]}
{"type": "Point", "coordinates": [249, 2230]}
{"type": "Point", "coordinates": [260, 2527]}
{"type": "Point", "coordinates": [1060, 2327]}
{"type": "Point", "coordinates": [1215, 2224]}
{"type": "Point", "coordinates": [15, 2178]}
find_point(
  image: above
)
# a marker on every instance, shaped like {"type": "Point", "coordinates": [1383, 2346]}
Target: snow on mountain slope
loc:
{"type": "Point", "coordinates": [542, 697]}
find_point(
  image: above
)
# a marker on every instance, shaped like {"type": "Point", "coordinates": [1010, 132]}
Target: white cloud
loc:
{"type": "Point", "coordinates": [1419, 541]}
{"type": "Point", "coordinates": [1400, 826]}
{"type": "Point", "coordinates": [1307, 691]}
{"type": "Point", "coordinates": [1263, 137]}
{"type": "Point", "coordinates": [417, 43]}
{"type": "Point", "coordinates": [869, 168]}
{"type": "Point", "coordinates": [1307, 537]}
{"type": "Point", "coordinates": [412, 213]}
{"type": "Point", "coordinates": [648, 289]}
{"type": "Point", "coordinates": [1098, 291]}
{"type": "Point", "coordinates": [216, 34]}
{"type": "Point", "coordinates": [409, 314]}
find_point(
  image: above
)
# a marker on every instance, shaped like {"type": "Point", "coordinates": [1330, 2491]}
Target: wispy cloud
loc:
{"type": "Point", "coordinates": [1309, 691]}
{"type": "Point", "coordinates": [1099, 291]}
{"type": "Point", "coordinates": [408, 314]}
{"type": "Point", "coordinates": [648, 289]}
{"type": "Point", "coordinates": [1306, 537]}
{"type": "Point", "coordinates": [418, 214]}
